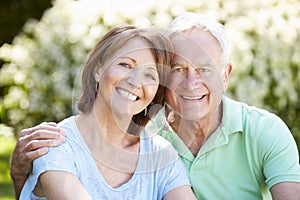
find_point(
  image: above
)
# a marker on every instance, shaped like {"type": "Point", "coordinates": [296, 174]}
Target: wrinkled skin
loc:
{"type": "Point", "coordinates": [32, 143]}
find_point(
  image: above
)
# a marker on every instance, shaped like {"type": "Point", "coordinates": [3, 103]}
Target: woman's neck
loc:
{"type": "Point", "coordinates": [107, 140]}
{"type": "Point", "coordinates": [101, 123]}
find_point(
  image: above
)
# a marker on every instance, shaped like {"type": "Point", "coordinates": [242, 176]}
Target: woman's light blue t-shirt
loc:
{"type": "Point", "coordinates": [159, 168]}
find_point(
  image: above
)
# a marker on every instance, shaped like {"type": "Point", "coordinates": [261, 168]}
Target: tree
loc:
{"type": "Point", "coordinates": [39, 74]}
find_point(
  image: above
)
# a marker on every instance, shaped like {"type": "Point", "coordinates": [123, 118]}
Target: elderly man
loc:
{"type": "Point", "coordinates": [230, 150]}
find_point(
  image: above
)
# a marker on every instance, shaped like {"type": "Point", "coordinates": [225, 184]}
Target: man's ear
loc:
{"type": "Point", "coordinates": [225, 75]}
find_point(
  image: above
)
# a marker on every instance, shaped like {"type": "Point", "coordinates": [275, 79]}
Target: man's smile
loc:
{"type": "Point", "coordinates": [192, 97]}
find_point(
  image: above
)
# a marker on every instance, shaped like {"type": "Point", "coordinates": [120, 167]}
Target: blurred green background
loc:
{"type": "Point", "coordinates": [44, 43]}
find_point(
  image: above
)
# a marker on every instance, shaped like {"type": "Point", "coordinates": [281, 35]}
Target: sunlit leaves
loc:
{"type": "Point", "coordinates": [40, 67]}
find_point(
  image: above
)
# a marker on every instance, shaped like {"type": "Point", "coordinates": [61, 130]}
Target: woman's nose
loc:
{"type": "Point", "coordinates": [135, 79]}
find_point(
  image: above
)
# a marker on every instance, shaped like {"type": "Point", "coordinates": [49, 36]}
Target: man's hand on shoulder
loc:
{"type": "Point", "coordinates": [32, 143]}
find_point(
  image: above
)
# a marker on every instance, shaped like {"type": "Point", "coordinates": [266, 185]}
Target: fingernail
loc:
{"type": "Point", "coordinates": [62, 132]}
{"type": "Point", "coordinates": [62, 138]}
{"type": "Point", "coordinates": [44, 150]}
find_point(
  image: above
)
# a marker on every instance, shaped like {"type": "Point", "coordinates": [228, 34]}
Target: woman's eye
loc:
{"type": "Point", "coordinates": [177, 69]}
{"type": "Point", "coordinates": [126, 65]}
{"type": "Point", "coordinates": [151, 76]}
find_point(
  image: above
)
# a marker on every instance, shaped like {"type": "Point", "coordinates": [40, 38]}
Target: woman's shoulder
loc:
{"type": "Point", "coordinates": [155, 141]}
{"type": "Point", "coordinates": [69, 126]}
{"type": "Point", "coordinates": [67, 122]}
{"type": "Point", "coordinates": [157, 152]}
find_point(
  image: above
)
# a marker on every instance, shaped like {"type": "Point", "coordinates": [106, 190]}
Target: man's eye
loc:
{"type": "Point", "coordinates": [204, 70]}
{"type": "Point", "coordinates": [126, 65]}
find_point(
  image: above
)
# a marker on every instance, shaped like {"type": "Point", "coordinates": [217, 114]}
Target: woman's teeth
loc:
{"type": "Point", "coordinates": [127, 95]}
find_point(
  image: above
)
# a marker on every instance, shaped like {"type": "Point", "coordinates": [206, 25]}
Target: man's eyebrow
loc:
{"type": "Point", "coordinates": [194, 65]}
{"type": "Point", "coordinates": [206, 64]}
{"type": "Point", "coordinates": [202, 63]}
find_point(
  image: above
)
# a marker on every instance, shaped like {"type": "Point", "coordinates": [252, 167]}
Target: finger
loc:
{"type": "Point", "coordinates": [43, 125]}
{"type": "Point", "coordinates": [49, 123]}
{"type": "Point", "coordinates": [38, 144]}
{"type": "Point", "coordinates": [21, 163]}
{"type": "Point", "coordinates": [32, 155]}
{"type": "Point", "coordinates": [27, 142]}
{"type": "Point", "coordinates": [46, 133]}
{"type": "Point", "coordinates": [52, 128]}
{"type": "Point", "coordinates": [37, 140]}
{"type": "Point", "coordinates": [62, 132]}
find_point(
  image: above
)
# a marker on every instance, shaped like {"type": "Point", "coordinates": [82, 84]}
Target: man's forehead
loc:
{"type": "Point", "coordinates": [184, 62]}
{"type": "Point", "coordinates": [190, 51]}
{"type": "Point", "coordinates": [196, 45]}
{"type": "Point", "coordinates": [195, 36]}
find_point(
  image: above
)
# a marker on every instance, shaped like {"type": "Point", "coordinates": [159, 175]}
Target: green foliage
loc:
{"type": "Point", "coordinates": [266, 46]}
{"type": "Point", "coordinates": [7, 143]}
{"type": "Point", "coordinates": [41, 65]}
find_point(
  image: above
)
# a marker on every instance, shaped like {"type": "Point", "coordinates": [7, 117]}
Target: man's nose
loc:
{"type": "Point", "coordinates": [194, 78]}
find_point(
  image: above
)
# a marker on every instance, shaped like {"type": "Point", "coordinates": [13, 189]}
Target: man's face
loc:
{"type": "Point", "coordinates": [196, 83]}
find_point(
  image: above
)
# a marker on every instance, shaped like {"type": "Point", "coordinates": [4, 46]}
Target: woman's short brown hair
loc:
{"type": "Point", "coordinates": [161, 49]}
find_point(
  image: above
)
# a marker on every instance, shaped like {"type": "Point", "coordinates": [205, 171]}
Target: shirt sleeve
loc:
{"type": "Point", "coordinates": [177, 177]}
{"type": "Point", "coordinates": [280, 157]}
{"type": "Point", "coordinates": [59, 158]}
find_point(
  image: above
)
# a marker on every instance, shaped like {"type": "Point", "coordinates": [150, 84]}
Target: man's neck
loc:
{"type": "Point", "coordinates": [194, 134]}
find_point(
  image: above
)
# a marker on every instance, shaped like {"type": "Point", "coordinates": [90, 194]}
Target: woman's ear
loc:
{"type": "Point", "coordinates": [97, 74]}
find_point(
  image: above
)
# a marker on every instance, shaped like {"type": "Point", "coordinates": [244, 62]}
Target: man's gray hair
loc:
{"type": "Point", "coordinates": [190, 20]}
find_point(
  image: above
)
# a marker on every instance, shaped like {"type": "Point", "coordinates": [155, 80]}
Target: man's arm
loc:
{"type": "Point", "coordinates": [286, 191]}
{"type": "Point", "coordinates": [32, 143]}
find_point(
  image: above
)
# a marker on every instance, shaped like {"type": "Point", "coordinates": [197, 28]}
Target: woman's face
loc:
{"type": "Point", "coordinates": [129, 80]}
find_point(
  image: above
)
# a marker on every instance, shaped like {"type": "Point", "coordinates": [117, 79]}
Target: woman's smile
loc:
{"type": "Point", "coordinates": [127, 95]}
{"type": "Point", "coordinates": [130, 81]}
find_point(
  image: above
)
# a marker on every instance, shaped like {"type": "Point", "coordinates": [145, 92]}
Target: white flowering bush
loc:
{"type": "Point", "coordinates": [42, 63]}
{"type": "Point", "coordinates": [265, 42]}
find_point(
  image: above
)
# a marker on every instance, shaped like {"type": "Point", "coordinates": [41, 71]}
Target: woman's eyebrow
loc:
{"type": "Point", "coordinates": [178, 64]}
{"type": "Point", "coordinates": [152, 68]}
{"type": "Point", "coordinates": [125, 57]}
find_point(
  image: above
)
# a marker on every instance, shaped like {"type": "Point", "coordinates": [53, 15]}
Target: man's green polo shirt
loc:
{"type": "Point", "coordinates": [250, 152]}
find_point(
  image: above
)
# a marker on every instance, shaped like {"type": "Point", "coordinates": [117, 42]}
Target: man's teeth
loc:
{"type": "Point", "coordinates": [127, 95]}
{"type": "Point", "coordinates": [193, 98]}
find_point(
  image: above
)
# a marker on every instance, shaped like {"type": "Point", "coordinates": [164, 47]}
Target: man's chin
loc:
{"type": "Point", "coordinates": [194, 116]}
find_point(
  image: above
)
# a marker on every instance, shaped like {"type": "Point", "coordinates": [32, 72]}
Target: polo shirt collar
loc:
{"type": "Point", "coordinates": [169, 134]}
{"type": "Point", "coordinates": [231, 123]}
{"type": "Point", "coordinates": [232, 116]}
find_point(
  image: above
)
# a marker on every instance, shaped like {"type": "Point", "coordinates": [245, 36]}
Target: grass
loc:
{"type": "Point", "coordinates": [7, 144]}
